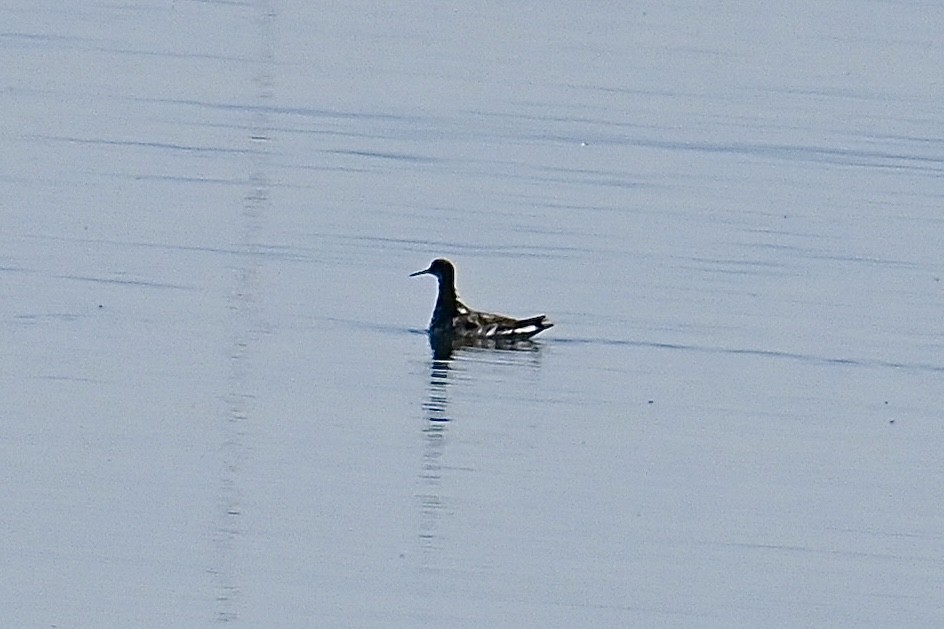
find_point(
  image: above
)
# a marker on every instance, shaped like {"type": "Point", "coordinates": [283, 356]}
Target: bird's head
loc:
{"type": "Point", "coordinates": [441, 268]}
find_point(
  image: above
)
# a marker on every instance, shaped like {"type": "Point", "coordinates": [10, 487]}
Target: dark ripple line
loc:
{"type": "Point", "coordinates": [789, 548]}
{"type": "Point", "coordinates": [141, 144]}
{"type": "Point", "coordinates": [294, 111]}
{"type": "Point", "coordinates": [106, 280]}
{"type": "Point", "coordinates": [261, 250]}
{"type": "Point", "coordinates": [35, 40]}
{"type": "Point", "coordinates": [400, 157]}
{"type": "Point", "coordinates": [738, 351]}
{"type": "Point", "coordinates": [500, 250]}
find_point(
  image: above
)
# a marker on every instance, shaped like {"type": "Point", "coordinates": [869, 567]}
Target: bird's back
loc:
{"type": "Point", "coordinates": [470, 323]}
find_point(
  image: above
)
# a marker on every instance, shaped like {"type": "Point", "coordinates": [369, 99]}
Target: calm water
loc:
{"type": "Point", "coordinates": [218, 403]}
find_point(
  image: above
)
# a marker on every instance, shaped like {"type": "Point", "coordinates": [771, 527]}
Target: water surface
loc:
{"type": "Point", "coordinates": [219, 404]}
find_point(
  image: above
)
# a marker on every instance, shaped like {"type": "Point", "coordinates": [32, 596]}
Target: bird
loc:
{"type": "Point", "coordinates": [455, 320]}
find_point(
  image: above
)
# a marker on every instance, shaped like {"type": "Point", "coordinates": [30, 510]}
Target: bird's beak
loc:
{"type": "Point", "coordinates": [424, 271]}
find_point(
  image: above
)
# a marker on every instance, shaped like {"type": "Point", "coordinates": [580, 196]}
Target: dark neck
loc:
{"type": "Point", "coordinates": [445, 304]}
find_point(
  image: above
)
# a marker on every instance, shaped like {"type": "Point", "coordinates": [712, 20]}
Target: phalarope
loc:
{"type": "Point", "coordinates": [453, 318]}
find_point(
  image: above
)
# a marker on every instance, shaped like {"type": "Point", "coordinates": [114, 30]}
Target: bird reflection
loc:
{"type": "Point", "coordinates": [452, 357]}
{"type": "Point", "coordinates": [437, 398]}
{"type": "Point", "coordinates": [444, 345]}
{"type": "Point", "coordinates": [434, 432]}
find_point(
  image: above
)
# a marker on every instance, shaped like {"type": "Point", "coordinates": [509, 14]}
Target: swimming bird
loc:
{"type": "Point", "coordinates": [453, 318]}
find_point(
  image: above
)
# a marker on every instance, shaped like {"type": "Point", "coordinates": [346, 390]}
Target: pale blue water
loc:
{"type": "Point", "coordinates": [218, 403]}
